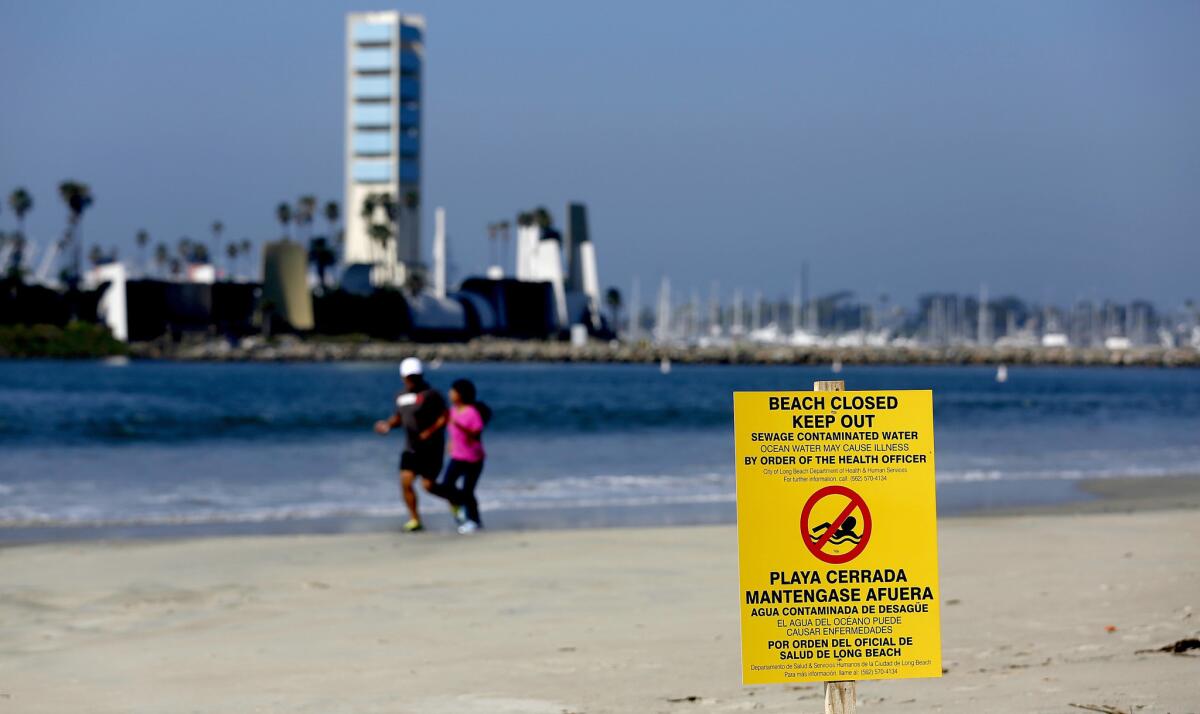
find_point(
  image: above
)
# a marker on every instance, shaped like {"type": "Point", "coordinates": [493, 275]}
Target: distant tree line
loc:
{"type": "Point", "coordinates": [162, 259]}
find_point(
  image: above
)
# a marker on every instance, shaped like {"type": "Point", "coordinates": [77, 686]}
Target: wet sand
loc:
{"type": "Point", "coordinates": [1125, 494]}
{"type": "Point", "coordinates": [613, 620]}
{"type": "Point", "coordinates": [1001, 497]}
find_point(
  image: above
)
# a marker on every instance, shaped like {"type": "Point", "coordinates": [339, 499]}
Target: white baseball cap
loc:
{"type": "Point", "coordinates": [411, 367]}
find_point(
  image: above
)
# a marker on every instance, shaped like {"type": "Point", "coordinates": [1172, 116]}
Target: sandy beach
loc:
{"type": "Point", "coordinates": [616, 620]}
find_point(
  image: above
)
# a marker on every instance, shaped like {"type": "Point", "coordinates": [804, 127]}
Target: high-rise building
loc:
{"type": "Point", "coordinates": [385, 54]}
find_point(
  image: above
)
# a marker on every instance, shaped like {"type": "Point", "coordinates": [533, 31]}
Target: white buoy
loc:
{"type": "Point", "coordinates": [1002, 374]}
{"type": "Point", "coordinates": [664, 366]}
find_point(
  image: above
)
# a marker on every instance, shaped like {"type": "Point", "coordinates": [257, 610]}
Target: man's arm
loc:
{"type": "Point", "coordinates": [383, 426]}
{"type": "Point", "coordinates": [439, 423]}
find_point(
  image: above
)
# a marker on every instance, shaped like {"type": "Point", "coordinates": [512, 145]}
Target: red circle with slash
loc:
{"type": "Point", "coordinates": [818, 547]}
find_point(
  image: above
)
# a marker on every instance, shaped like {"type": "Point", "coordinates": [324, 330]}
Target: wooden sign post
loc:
{"type": "Point", "coordinates": [837, 538]}
{"type": "Point", "coordinates": [840, 697]}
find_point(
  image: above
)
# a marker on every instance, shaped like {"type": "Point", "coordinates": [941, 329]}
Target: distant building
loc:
{"type": "Point", "coordinates": [385, 54]}
{"type": "Point", "coordinates": [540, 258]}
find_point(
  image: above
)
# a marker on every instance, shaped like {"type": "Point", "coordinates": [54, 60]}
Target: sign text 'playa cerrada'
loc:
{"type": "Point", "coordinates": [837, 535]}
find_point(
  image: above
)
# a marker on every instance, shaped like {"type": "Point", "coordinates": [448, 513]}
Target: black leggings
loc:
{"type": "Point", "coordinates": [447, 486]}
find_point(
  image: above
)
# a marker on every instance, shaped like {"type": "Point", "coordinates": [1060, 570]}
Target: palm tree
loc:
{"type": "Point", "coordinates": [244, 249]}
{"type": "Point", "coordinates": [505, 234]}
{"type": "Point", "coordinates": [21, 203]}
{"type": "Point", "coordinates": [542, 217]}
{"type": "Point", "coordinates": [142, 239]}
{"type": "Point", "coordinates": [391, 209]}
{"type": "Point", "coordinates": [333, 216]}
{"type": "Point", "coordinates": [217, 229]}
{"type": "Point", "coordinates": [185, 248]}
{"type": "Point", "coordinates": [161, 255]}
{"type": "Point", "coordinates": [283, 213]}
{"type": "Point", "coordinates": [78, 197]}
{"type": "Point", "coordinates": [414, 282]}
{"type": "Point", "coordinates": [306, 208]}
{"type": "Point", "coordinates": [613, 299]}
{"type": "Point", "coordinates": [95, 255]}
{"type": "Point", "coordinates": [381, 233]}
{"type": "Point", "coordinates": [200, 253]}
{"type": "Point", "coordinates": [15, 257]}
{"type": "Point", "coordinates": [367, 212]}
{"type": "Point", "coordinates": [231, 252]}
{"type": "Point", "coordinates": [368, 207]}
{"type": "Point", "coordinates": [321, 256]}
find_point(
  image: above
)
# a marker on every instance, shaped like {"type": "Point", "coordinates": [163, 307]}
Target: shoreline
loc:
{"type": "Point", "coordinates": [1006, 499]}
{"type": "Point", "coordinates": [293, 349]}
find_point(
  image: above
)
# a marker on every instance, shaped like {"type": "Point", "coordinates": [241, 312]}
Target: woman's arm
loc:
{"type": "Point", "coordinates": [469, 421]}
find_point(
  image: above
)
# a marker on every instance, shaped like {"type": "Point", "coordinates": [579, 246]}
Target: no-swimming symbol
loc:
{"type": "Point", "coordinates": [824, 538]}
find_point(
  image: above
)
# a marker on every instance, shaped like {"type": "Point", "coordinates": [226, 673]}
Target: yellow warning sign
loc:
{"type": "Point", "coordinates": [837, 535]}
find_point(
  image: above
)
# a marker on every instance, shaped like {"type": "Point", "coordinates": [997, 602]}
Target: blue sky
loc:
{"type": "Point", "coordinates": [1047, 149]}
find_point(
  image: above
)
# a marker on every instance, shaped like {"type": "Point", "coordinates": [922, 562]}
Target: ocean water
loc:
{"type": "Point", "coordinates": [86, 444]}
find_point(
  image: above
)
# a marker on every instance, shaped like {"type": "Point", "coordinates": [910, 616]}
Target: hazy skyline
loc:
{"type": "Point", "coordinates": [1050, 150]}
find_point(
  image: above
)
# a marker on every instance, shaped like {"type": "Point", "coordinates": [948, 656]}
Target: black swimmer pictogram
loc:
{"type": "Point", "coordinates": [844, 533]}
{"type": "Point", "coordinates": [842, 538]}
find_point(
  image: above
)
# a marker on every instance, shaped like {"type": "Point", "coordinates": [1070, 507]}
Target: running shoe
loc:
{"type": "Point", "coordinates": [468, 528]}
{"type": "Point", "coordinates": [412, 526]}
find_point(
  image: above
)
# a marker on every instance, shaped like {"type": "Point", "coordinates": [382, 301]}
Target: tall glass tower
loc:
{"type": "Point", "coordinates": [385, 54]}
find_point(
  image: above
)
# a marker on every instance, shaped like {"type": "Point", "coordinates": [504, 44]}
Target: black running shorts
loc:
{"type": "Point", "coordinates": [424, 464]}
